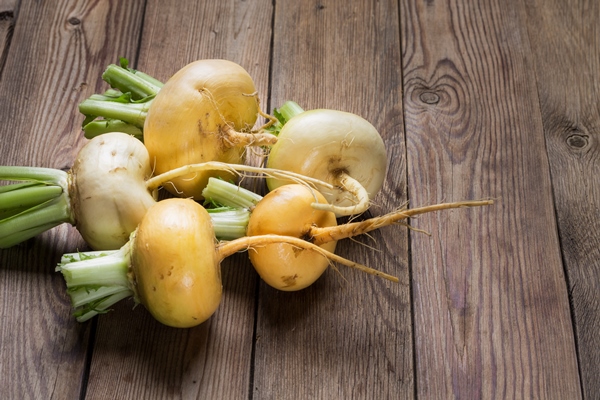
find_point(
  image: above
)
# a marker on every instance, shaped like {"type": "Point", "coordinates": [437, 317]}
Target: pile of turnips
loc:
{"type": "Point", "coordinates": [189, 136]}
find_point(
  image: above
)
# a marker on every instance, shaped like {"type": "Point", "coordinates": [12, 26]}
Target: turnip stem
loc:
{"type": "Point", "coordinates": [102, 126]}
{"type": "Point", "coordinates": [30, 208]}
{"type": "Point", "coordinates": [288, 110]}
{"type": "Point", "coordinates": [140, 85]}
{"type": "Point", "coordinates": [323, 235]}
{"type": "Point", "coordinates": [159, 180]}
{"type": "Point", "coordinates": [226, 249]}
{"type": "Point", "coordinates": [96, 280]}
{"type": "Point", "coordinates": [133, 113]}
{"type": "Point", "coordinates": [230, 195]}
{"type": "Point", "coordinates": [229, 223]}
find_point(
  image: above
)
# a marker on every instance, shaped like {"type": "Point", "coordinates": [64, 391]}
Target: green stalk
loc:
{"type": "Point", "coordinates": [132, 113]}
{"type": "Point", "coordinates": [100, 126]}
{"type": "Point", "coordinates": [124, 107]}
{"type": "Point", "coordinates": [288, 110]}
{"type": "Point", "coordinates": [229, 223]}
{"type": "Point", "coordinates": [35, 206]}
{"type": "Point", "coordinates": [227, 194]}
{"type": "Point", "coordinates": [96, 280]}
{"type": "Point", "coordinates": [283, 114]}
{"type": "Point", "coordinates": [126, 80]}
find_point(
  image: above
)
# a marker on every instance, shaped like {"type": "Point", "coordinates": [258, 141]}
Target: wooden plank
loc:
{"type": "Point", "coordinates": [565, 41]}
{"type": "Point", "coordinates": [491, 308]}
{"type": "Point", "coordinates": [346, 336]}
{"type": "Point", "coordinates": [138, 356]}
{"type": "Point", "coordinates": [55, 59]}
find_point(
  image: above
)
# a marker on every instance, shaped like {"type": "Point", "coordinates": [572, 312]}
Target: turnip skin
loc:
{"type": "Point", "coordinates": [288, 211]}
{"type": "Point", "coordinates": [108, 189]}
{"type": "Point", "coordinates": [177, 279]}
{"type": "Point", "coordinates": [336, 147]}
{"type": "Point", "coordinates": [204, 112]}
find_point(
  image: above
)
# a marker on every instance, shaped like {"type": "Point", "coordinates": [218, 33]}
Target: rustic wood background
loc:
{"type": "Point", "coordinates": [489, 99]}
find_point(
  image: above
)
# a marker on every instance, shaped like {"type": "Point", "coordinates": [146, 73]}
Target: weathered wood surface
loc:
{"type": "Point", "coordinates": [473, 100]}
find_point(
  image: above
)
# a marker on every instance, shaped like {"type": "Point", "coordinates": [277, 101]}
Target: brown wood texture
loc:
{"type": "Point", "coordinates": [565, 40]}
{"type": "Point", "coordinates": [491, 99]}
{"type": "Point", "coordinates": [348, 336]}
{"type": "Point", "coordinates": [491, 309]}
{"type": "Point", "coordinates": [54, 61]}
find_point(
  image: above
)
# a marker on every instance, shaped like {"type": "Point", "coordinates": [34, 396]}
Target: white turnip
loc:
{"type": "Point", "coordinates": [104, 195]}
{"type": "Point", "coordinates": [334, 146]}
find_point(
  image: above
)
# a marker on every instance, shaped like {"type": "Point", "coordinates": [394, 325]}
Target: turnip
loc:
{"type": "Point", "coordinates": [205, 112]}
{"type": "Point", "coordinates": [171, 265]}
{"type": "Point", "coordinates": [334, 146]}
{"type": "Point", "coordinates": [289, 210]}
{"type": "Point", "coordinates": [105, 195]}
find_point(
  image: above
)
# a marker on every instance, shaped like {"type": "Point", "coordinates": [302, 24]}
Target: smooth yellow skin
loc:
{"type": "Point", "coordinates": [287, 211]}
{"type": "Point", "coordinates": [175, 264]}
{"type": "Point", "coordinates": [108, 189]}
{"type": "Point", "coordinates": [187, 120]}
{"type": "Point", "coordinates": [322, 143]}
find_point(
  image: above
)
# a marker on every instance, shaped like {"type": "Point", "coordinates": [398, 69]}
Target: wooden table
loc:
{"type": "Point", "coordinates": [474, 99]}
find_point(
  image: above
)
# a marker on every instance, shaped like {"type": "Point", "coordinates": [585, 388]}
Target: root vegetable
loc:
{"type": "Point", "coordinates": [289, 210]}
{"type": "Point", "coordinates": [205, 112]}
{"type": "Point", "coordinates": [105, 195]}
{"type": "Point", "coordinates": [334, 146]}
{"type": "Point", "coordinates": [171, 265]}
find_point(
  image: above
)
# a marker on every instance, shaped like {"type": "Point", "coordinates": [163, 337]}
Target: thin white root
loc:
{"type": "Point", "coordinates": [225, 249]}
{"type": "Point", "coordinates": [236, 169]}
{"type": "Point", "coordinates": [323, 235]}
{"type": "Point", "coordinates": [352, 186]}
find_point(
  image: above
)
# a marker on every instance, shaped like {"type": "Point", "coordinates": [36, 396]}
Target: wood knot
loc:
{"type": "Point", "coordinates": [578, 141]}
{"type": "Point", "coordinates": [429, 97]}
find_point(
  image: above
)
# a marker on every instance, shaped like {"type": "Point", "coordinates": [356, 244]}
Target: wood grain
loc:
{"type": "Point", "coordinates": [42, 349]}
{"type": "Point", "coordinates": [346, 336]}
{"type": "Point", "coordinates": [490, 301]}
{"type": "Point", "coordinates": [565, 40]}
{"type": "Point", "coordinates": [141, 357]}
{"type": "Point", "coordinates": [473, 100]}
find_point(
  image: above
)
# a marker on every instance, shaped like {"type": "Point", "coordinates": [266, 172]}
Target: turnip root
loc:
{"type": "Point", "coordinates": [205, 112]}
{"type": "Point", "coordinates": [334, 146]}
{"type": "Point", "coordinates": [171, 265]}
{"type": "Point", "coordinates": [289, 210]}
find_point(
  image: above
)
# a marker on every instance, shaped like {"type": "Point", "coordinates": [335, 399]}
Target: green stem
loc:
{"type": "Point", "coordinates": [140, 85]}
{"type": "Point", "coordinates": [132, 113]}
{"type": "Point", "coordinates": [288, 110]}
{"type": "Point", "coordinates": [124, 107]}
{"type": "Point", "coordinates": [227, 194]}
{"type": "Point", "coordinates": [229, 223]}
{"type": "Point", "coordinates": [30, 208]}
{"type": "Point", "coordinates": [101, 126]}
{"type": "Point", "coordinates": [96, 280]}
